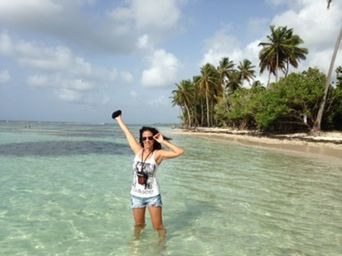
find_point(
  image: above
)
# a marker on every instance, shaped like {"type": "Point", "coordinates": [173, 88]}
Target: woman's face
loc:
{"type": "Point", "coordinates": [147, 139]}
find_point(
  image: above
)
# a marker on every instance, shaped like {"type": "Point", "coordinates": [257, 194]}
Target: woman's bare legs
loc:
{"type": "Point", "coordinates": [157, 221]}
{"type": "Point", "coordinates": [139, 219]}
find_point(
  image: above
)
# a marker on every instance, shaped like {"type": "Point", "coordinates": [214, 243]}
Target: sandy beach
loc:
{"type": "Point", "coordinates": [324, 143]}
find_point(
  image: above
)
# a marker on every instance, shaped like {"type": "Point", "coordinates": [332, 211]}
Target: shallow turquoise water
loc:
{"type": "Point", "coordinates": [65, 191]}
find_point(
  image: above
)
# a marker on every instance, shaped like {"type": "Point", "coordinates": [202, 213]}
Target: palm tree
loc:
{"type": "Point", "coordinates": [208, 85]}
{"type": "Point", "coordinates": [176, 99]}
{"type": "Point", "coordinates": [246, 70]}
{"type": "Point", "coordinates": [199, 101]}
{"type": "Point", "coordinates": [281, 49]}
{"type": "Point", "coordinates": [317, 124]}
{"type": "Point", "coordinates": [183, 96]}
{"type": "Point", "coordinates": [339, 75]}
{"type": "Point", "coordinates": [270, 54]}
{"type": "Point", "coordinates": [234, 81]}
{"type": "Point", "coordinates": [294, 53]}
{"type": "Point", "coordinates": [224, 68]}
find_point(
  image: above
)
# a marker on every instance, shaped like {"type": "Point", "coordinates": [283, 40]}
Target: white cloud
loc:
{"type": "Point", "coordinates": [55, 60]}
{"type": "Point", "coordinates": [67, 89]}
{"type": "Point", "coordinates": [156, 20]}
{"type": "Point", "coordinates": [322, 60]}
{"type": "Point", "coordinates": [311, 20]}
{"type": "Point", "coordinates": [126, 76]}
{"type": "Point", "coordinates": [279, 2]}
{"type": "Point", "coordinates": [227, 46]}
{"type": "Point", "coordinates": [64, 21]}
{"type": "Point", "coordinates": [147, 14]}
{"type": "Point", "coordinates": [59, 59]}
{"type": "Point", "coordinates": [46, 58]}
{"type": "Point", "coordinates": [4, 76]}
{"type": "Point", "coordinates": [80, 66]}
{"type": "Point", "coordinates": [163, 71]}
{"type": "Point", "coordinates": [104, 100]}
{"type": "Point", "coordinates": [122, 18]}
{"type": "Point", "coordinates": [256, 26]}
{"type": "Point", "coordinates": [69, 95]}
{"type": "Point", "coordinates": [156, 14]}
{"type": "Point", "coordinates": [5, 44]}
{"type": "Point", "coordinates": [16, 8]}
{"type": "Point", "coordinates": [221, 45]}
{"type": "Point", "coordinates": [84, 2]}
{"type": "Point", "coordinates": [251, 52]}
{"type": "Point", "coordinates": [57, 67]}
{"type": "Point", "coordinates": [317, 26]}
{"type": "Point", "coordinates": [80, 85]}
{"type": "Point", "coordinates": [38, 81]}
{"type": "Point", "coordinates": [162, 100]}
{"type": "Point", "coordinates": [125, 29]}
{"type": "Point", "coordinates": [143, 42]}
{"type": "Point", "coordinates": [133, 94]}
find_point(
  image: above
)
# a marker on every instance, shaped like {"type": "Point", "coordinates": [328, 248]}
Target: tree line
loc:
{"type": "Point", "coordinates": [229, 96]}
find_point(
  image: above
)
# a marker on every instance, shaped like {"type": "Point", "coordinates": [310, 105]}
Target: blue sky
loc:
{"type": "Point", "coordinates": [77, 61]}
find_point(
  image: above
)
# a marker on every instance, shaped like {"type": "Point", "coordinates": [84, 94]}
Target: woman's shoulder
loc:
{"type": "Point", "coordinates": [156, 156]}
{"type": "Point", "coordinates": [157, 152]}
{"type": "Point", "coordinates": [138, 151]}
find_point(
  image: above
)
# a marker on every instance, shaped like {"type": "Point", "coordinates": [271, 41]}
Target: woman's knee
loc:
{"type": "Point", "coordinates": [158, 227]}
{"type": "Point", "coordinates": [140, 225]}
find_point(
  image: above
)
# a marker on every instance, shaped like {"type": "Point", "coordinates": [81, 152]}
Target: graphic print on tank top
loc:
{"type": "Point", "coordinates": [144, 173]}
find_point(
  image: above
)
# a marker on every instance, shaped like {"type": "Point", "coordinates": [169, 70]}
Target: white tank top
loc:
{"type": "Point", "coordinates": [145, 182]}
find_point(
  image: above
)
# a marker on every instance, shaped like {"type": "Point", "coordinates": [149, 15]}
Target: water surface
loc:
{"type": "Point", "coordinates": [65, 191]}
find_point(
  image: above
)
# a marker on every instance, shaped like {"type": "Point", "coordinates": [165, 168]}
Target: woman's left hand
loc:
{"type": "Point", "coordinates": [158, 137]}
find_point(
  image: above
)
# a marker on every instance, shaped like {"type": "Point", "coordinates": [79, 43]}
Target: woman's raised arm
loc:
{"type": "Point", "coordinates": [172, 152]}
{"type": "Point", "coordinates": [134, 145]}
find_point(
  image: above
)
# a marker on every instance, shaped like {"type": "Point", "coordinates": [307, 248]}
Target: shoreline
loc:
{"type": "Point", "coordinates": [324, 143]}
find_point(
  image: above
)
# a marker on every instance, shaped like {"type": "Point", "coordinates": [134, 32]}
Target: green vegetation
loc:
{"type": "Point", "coordinates": [226, 96]}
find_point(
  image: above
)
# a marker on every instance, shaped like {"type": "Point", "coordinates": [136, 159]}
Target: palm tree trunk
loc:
{"type": "Point", "coordinates": [287, 68]}
{"type": "Point", "coordinates": [212, 120]}
{"type": "Point", "coordinates": [189, 115]}
{"type": "Point", "coordinates": [208, 110]}
{"type": "Point", "coordinates": [202, 114]}
{"type": "Point", "coordinates": [269, 79]}
{"type": "Point", "coordinates": [277, 66]}
{"type": "Point", "coordinates": [317, 125]}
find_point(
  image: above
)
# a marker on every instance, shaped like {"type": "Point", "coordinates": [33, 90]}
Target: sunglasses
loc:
{"type": "Point", "coordinates": [149, 138]}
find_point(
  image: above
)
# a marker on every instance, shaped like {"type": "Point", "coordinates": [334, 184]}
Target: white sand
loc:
{"type": "Point", "coordinates": [324, 143]}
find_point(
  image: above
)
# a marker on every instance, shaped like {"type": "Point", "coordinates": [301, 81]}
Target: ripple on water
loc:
{"type": "Point", "coordinates": [70, 196]}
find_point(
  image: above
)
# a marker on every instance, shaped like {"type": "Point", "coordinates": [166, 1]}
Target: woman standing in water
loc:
{"type": "Point", "coordinates": [145, 188]}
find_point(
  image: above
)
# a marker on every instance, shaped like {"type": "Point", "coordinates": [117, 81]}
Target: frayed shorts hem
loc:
{"type": "Point", "coordinates": [142, 202]}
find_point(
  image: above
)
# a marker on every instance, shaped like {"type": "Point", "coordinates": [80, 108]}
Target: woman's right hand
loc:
{"type": "Point", "coordinates": [116, 114]}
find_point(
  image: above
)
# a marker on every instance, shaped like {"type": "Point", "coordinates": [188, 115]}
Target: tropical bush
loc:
{"type": "Point", "coordinates": [220, 96]}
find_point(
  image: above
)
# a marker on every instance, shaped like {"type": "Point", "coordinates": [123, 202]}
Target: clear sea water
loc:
{"type": "Point", "coordinates": [65, 191]}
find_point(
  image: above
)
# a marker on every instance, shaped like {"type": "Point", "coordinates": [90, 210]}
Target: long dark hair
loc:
{"type": "Point", "coordinates": [154, 131]}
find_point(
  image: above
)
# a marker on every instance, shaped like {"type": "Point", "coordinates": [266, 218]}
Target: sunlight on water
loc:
{"type": "Point", "coordinates": [65, 191]}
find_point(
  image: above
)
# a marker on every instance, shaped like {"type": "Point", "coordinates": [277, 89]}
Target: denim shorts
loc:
{"type": "Point", "coordinates": [142, 202]}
